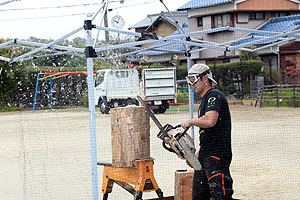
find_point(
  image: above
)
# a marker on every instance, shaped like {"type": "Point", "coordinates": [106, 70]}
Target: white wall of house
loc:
{"type": "Point", "coordinates": [241, 20]}
{"type": "Point", "coordinates": [210, 10]}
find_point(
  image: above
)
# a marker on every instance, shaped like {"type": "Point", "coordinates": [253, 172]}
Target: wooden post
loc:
{"type": "Point", "coordinates": [130, 131]}
{"type": "Point", "coordinates": [183, 184]}
{"type": "Point", "coordinates": [261, 97]}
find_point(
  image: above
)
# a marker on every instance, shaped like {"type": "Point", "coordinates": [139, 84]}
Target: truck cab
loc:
{"type": "Point", "coordinates": [116, 88]}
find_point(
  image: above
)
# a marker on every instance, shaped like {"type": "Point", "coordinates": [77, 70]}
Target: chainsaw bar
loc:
{"type": "Point", "coordinates": [158, 124]}
{"type": "Point", "coordinates": [179, 143]}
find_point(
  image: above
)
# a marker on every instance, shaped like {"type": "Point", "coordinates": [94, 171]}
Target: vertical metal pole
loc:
{"type": "Point", "coordinates": [278, 62]}
{"type": "Point", "coordinates": [36, 87]}
{"type": "Point", "coordinates": [191, 95]}
{"type": "Point", "coordinates": [91, 97]}
{"type": "Point", "coordinates": [294, 95]}
{"type": "Point", "coordinates": [277, 96]}
{"type": "Point", "coordinates": [105, 23]}
{"type": "Point", "coordinates": [51, 92]}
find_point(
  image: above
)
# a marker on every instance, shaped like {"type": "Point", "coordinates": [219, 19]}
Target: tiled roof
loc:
{"type": "Point", "coordinates": [180, 16]}
{"type": "Point", "coordinates": [146, 22]}
{"type": "Point", "coordinates": [174, 47]}
{"type": "Point", "coordinates": [277, 24]}
{"type": "Point", "coordinates": [203, 3]}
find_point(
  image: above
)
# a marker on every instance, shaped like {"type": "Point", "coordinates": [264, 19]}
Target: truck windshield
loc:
{"type": "Point", "coordinates": [99, 78]}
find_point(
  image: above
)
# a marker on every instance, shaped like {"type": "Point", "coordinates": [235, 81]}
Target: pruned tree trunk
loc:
{"type": "Point", "coordinates": [183, 185]}
{"type": "Point", "coordinates": [130, 131]}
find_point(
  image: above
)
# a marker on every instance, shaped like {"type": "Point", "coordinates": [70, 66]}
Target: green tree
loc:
{"type": "Point", "coordinates": [248, 55]}
{"type": "Point", "coordinates": [13, 81]}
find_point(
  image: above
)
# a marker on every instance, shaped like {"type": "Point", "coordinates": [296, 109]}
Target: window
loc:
{"type": "Point", "coordinates": [121, 74]}
{"type": "Point", "coordinates": [199, 21]}
{"type": "Point", "coordinates": [99, 78]}
{"type": "Point", "coordinates": [258, 15]}
{"type": "Point", "coordinates": [222, 20]}
{"type": "Point", "coordinates": [279, 14]}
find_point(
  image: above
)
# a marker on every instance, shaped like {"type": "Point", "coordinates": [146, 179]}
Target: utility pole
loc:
{"type": "Point", "coordinates": [106, 25]}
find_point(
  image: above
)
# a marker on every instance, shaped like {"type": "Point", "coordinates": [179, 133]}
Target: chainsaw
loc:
{"type": "Point", "coordinates": [175, 140]}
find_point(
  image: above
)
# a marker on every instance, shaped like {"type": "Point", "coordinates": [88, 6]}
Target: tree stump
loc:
{"type": "Point", "coordinates": [130, 131]}
{"type": "Point", "coordinates": [183, 185]}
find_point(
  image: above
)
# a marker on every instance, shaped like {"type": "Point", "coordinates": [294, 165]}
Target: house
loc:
{"type": "Point", "coordinates": [252, 14]}
{"type": "Point", "coordinates": [266, 15]}
{"type": "Point", "coordinates": [162, 24]}
{"type": "Point", "coordinates": [284, 55]}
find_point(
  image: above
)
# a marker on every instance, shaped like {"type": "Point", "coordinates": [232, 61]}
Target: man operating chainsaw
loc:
{"type": "Point", "coordinates": [214, 179]}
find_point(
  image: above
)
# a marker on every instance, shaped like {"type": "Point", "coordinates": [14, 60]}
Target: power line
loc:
{"type": "Point", "coordinates": [6, 2]}
{"type": "Point", "coordinates": [55, 16]}
{"type": "Point", "coordinates": [137, 4]}
{"type": "Point", "coordinates": [71, 6]}
{"type": "Point", "coordinates": [50, 7]}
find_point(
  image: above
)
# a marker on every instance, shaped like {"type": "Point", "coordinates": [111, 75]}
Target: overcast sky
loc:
{"type": "Point", "coordinates": [51, 19]}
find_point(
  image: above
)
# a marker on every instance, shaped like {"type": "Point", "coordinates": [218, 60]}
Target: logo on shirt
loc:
{"type": "Point", "coordinates": [212, 101]}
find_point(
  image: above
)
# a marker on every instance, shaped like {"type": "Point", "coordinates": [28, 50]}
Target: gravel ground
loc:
{"type": "Point", "coordinates": [46, 155]}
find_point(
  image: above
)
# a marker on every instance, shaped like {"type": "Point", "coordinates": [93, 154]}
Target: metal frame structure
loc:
{"type": "Point", "coordinates": [90, 52]}
{"type": "Point", "coordinates": [184, 38]}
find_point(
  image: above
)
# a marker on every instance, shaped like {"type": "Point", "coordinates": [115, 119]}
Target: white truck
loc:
{"type": "Point", "coordinates": [120, 87]}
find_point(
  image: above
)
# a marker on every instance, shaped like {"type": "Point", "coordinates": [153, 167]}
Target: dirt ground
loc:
{"type": "Point", "coordinates": [46, 155]}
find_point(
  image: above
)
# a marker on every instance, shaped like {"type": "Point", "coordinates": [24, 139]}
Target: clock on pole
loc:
{"type": "Point", "coordinates": [117, 22]}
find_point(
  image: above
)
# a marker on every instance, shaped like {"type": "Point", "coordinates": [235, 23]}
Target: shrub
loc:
{"type": "Point", "coordinates": [182, 97]}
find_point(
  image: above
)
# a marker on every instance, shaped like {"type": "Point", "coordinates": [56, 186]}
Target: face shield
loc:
{"type": "Point", "coordinates": [194, 78]}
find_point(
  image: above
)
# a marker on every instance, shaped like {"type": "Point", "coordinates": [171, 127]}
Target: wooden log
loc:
{"type": "Point", "coordinates": [183, 184]}
{"type": "Point", "coordinates": [130, 131]}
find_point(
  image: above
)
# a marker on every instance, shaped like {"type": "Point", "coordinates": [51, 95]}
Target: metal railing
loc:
{"type": "Point", "coordinates": [279, 95]}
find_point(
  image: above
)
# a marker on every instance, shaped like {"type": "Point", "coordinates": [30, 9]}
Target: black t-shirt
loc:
{"type": "Point", "coordinates": [216, 141]}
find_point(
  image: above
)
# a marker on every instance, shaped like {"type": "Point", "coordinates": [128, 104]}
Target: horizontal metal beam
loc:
{"type": "Point", "coordinates": [43, 56]}
{"type": "Point", "coordinates": [65, 48]}
{"type": "Point", "coordinates": [118, 31]}
{"type": "Point", "coordinates": [46, 50]}
{"type": "Point", "coordinates": [278, 36]}
{"type": "Point", "coordinates": [274, 44]}
{"type": "Point", "coordinates": [142, 50]}
{"type": "Point", "coordinates": [196, 44]}
{"type": "Point", "coordinates": [197, 33]}
{"type": "Point", "coordinates": [246, 30]}
{"type": "Point", "coordinates": [46, 45]}
{"type": "Point", "coordinates": [5, 59]}
{"type": "Point", "coordinates": [7, 43]}
{"type": "Point", "coordinates": [126, 45]}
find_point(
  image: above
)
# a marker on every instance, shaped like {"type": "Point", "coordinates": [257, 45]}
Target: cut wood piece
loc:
{"type": "Point", "coordinates": [183, 184]}
{"type": "Point", "coordinates": [130, 135]}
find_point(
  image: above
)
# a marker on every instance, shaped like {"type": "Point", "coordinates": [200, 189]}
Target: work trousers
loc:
{"type": "Point", "coordinates": [214, 180]}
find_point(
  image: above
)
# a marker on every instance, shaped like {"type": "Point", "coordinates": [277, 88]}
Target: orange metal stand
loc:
{"type": "Point", "coordinates": [141, 176]}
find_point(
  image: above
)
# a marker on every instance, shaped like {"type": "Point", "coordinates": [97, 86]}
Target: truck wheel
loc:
{"type": "Point", "coordinates": [156, 111]}
{"type": "Point", "coordinates": [104, 109]}
{"type": "Point", "coordinates": [136, 102]}
{"type": "Point", "coordinates": [162, 110]}
{"type": "Point", "coordinates": [129, 102]}
{"type": "Point", "coordinates": [116, 104]}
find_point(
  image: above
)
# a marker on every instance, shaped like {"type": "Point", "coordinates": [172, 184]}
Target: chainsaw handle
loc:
{"type": "Point", "coordinates": [185, 130]}
{"type": "Point", "coordinates": [165, 145]}
{"type": "Point", "coordinates": [167, 148]}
